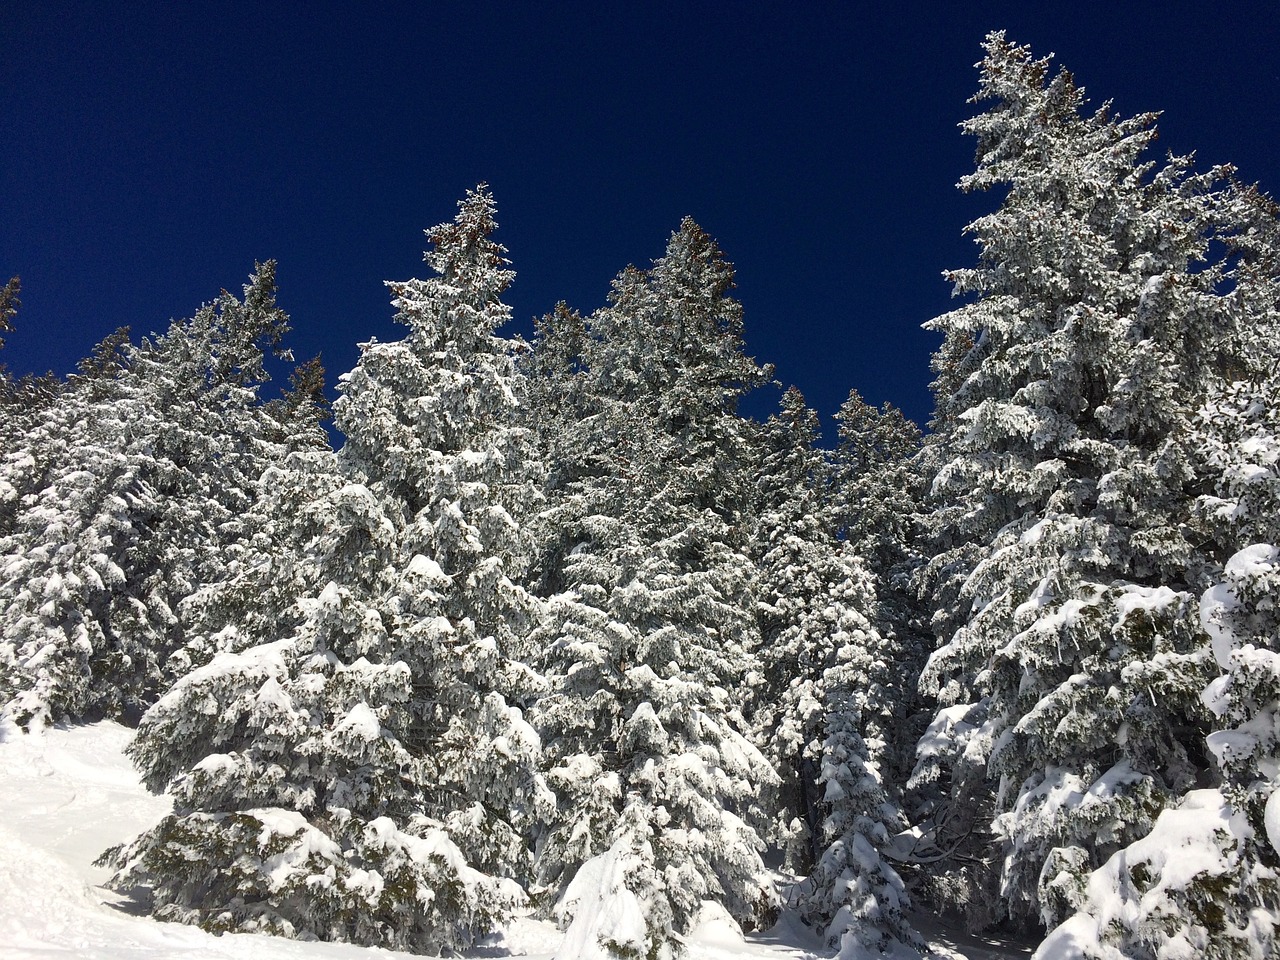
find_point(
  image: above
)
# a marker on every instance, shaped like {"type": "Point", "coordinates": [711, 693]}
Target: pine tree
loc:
{"type": "Point", "coordinates": [365, 774]}
{"type": "Point", "coordinates": [134, 481]}
{"type": "Point", "coordinates": [22, 404]}
{"type": "Point", "coordinates": [1067, 479]}
{"type": "Point", "coordinates": [266, 573]}
{"type": "Point", "coordinates": [1239, 431]}
{"type": "Point", "coordinates": [1219, 894]}
{"type": "Point", "coordinates": [792, 537]}
{"type": "Point", "coordinates": [825, 668]}
{"type": "Point", "coordinates": [9, 304]}
{"type": "Point", "coordinates": [651, 634]}
{"type": "Point", "coordinates": [877, 493]}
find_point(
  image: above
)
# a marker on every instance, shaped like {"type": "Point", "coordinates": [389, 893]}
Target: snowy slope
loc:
{"type": "Point", "coordinates": [67, 794]}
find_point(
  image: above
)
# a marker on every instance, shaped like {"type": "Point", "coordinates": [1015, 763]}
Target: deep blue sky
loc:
{"type": "Point", "coordinates": [152, 151]}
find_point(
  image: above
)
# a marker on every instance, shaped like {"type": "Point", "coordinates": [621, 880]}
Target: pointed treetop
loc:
{"type": "Point", "coordinates": [304, 400]}
{"type": "Point", "coordinates": [109, 357]}
{"type": "Point", "coordinates": [1007, 66]}
{"type": "Point", "coordinates": [463, 301]}
{"type": "Point", "coordinates": [1029, 107]}
{"type": "Point", "coordinates": [9, 304]}
{"type": "Point", "coordinates": [462, 246]}
{"type": "Point", "coordinates": [249, 329]}
{"type": "Point", "coordinates": [799, 419]}
{"type": "Point", "coordinates": [870, 436]}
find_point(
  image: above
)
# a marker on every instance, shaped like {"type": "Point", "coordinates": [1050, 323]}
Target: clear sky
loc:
{"type": "Point", "coordinates": [153, 150]}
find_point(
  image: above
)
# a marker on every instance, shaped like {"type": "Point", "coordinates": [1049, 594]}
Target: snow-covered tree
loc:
{"type": "Point", "coordinates": [132, 482]}
{"type": "Point", "coordinates": [651, 632]}
{"type": "Point", "coordinates": [23, 402]}
{"type": "Point", "coordinates": [9, 304]}
{"type": "Point", "coordinates": [1239, 433]}
{"type": "Point", "coordinates": [1066, 484]}
{"type": "Point", "coordinates": [267, 568]}
{"type": "Point", "coordinates": [792, 537]}
{"type": "Point", "coordinates": [876, 494]}
{"type": "Point", "coordinates": [1206, 881]}
{"type": "Point", "coordinates": [363, 772]}
{"type": "Point", "coordinates": [1189, 888]}
{"type": "Point", "coordinates": [825, 670]}
{"type": "Point", "coordinates": [1239, 428]}
{"type": "Point", "coordinates": [875, 484]}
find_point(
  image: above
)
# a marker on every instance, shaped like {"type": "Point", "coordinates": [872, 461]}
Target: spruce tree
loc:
{"type": "Point", "coordinates": [1206, 881]}
{"type": "Point", "coordinates": [22, 404]}
{"type": "Point", "coordinates": [363, 772]}
{"type": "Point", "coordinates": [792, 537]}
{"type": "Point", "coordinates": [134, 481]}
{"type": "Point", "coordinates": [826, 670]}
{"type": "Point", "coordinates": [651, 633]}
{"type": "Point", "coordinates": [876, 496]}
{"type": "Point", "coordinates": [1071, 683]}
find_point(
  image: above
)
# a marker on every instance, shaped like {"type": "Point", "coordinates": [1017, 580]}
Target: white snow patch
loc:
{"type": "Point", "coordinates": [602, 909]}
{"type": "Point", "coordinates": [1150, 600]}
{"type": "Point", "coordinates": [425, 567]}
{"type": "Point", "coordinates": [360, 722]}
{"type": "Point", "coordinates": [1271, 820]}
{"type": "Point", "coordinates": [1252, 561]}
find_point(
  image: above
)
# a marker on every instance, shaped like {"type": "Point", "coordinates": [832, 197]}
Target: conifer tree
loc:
{"type": "Point", "coordinates": [1072, 682]}
{"type": "Point", "coordinates": [792, 536]}
{"type": "Point", "coordinates": [876, 496]}
{"type": "Point", "coordinates": [22, 403]}
{"type": "Point", "coordinates": [652, 634]}
{"type": "Point", "coordinates": [364, 773]}
{"type": "Point", "coordinates": [134, 481]}
{"type": "Point", "coordinates": [9, 304]}
{"type": "Point", "coordinates": [826, 670]}
{"type": "Point", "coordinates": [1206, 881]}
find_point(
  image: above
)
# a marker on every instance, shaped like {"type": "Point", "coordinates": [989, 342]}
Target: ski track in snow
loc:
{"type": "Point", "coordinates": [69, 792]}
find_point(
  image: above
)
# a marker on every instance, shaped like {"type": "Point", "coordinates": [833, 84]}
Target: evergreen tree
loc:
{"type": "Point", "coordinates": [134, 479]}
{"type": "Point", "coordinates": [22, 403]}
{"type": "Point", "coordinates": [792, 538]}
{"type": "Point", "coordinates": [9, 304]}
{"type": "Point", "coordinates": [365, 774]}
{"type": "Point", "coordinates": [1239, 432]}
{"type": "Point", "coordinates": [266, 569]}
{"type": "Point", "coordinates": [876, 498]}
{"type": "Point", "coordinates": [825, 669]}
{"type": "Point", "coordinates": [652, 634]}
{"type": "Point", "coordinates": [1206, 881]}
{"type": "Point", "coordinates": [1072, 682]}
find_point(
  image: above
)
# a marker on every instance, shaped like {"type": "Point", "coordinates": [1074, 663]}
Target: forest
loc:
{"type": "Point", "coordinates": [556, 628]}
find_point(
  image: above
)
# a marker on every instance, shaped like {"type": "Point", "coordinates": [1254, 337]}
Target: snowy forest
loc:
{"type": "Point", "coordinates": [557, 629]}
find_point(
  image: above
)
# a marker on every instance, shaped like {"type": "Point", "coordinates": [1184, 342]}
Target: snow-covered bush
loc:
{"type": "Point", "coordinates": [1185, 890]}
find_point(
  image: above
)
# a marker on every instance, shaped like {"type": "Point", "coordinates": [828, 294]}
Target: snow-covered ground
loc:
{"type": "Point", "coordinates": [67, 794]}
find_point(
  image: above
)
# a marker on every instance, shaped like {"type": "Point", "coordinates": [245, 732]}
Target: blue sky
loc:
{"type": "Point", "coordinates": [153, 151]}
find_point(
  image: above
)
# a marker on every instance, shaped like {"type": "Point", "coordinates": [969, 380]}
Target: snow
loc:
{"type": "Point", "coordinates": [1252, 561]}
{"type": "Point", "coordinates": [69, 792]}
{"type": "Point", "coordinates": [951, 726]}
{"type": "Point", "coordinates": [1219, 603]}
{"type": "Point", "coordinates": [602, 910]}
{"type": "Point", "coordinates": [360, 723]}
{"type": "Point", "coordinates": [1147, 599]}
{"type": "Point", "coordinates": [1178, 849]}
{"type": "Point", "coordinates": [1271, 820]}
{"type": "Point", "coordinates": [1216, 606]}
{"type": "Point", "coordinates": [428, 569]}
